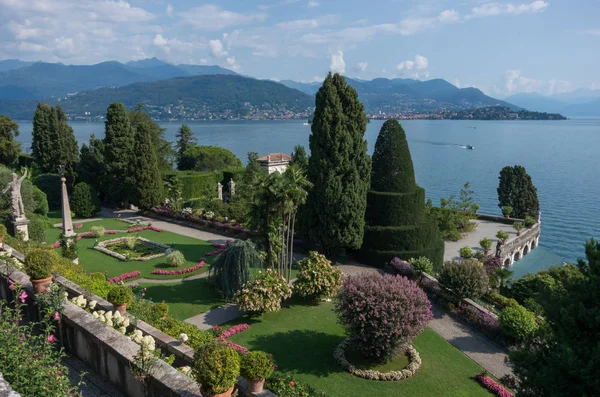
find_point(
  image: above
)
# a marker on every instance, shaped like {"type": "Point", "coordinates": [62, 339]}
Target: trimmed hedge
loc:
{"type": "Point", "coordinates": [379, 258]}
{"type": "Point", "coordinates": [51, 185]}
{"type": "Point", "coordinates": [204, 184]}
{"type": "Point", "coordinates": [390, 209]}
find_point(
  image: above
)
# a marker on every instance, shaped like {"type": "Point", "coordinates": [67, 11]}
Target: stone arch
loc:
{"type": "Point", "coordinates": [507, 262]}
{"type": "Point", "coordinates": [525, 249]}
{"type": "Point", "coordinates": [533, 243]}
{"type": "Point", "coordinates": [517, 256]}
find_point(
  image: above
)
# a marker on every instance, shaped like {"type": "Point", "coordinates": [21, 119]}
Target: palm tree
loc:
{"type": "Point", "coordinates": [503, 277]}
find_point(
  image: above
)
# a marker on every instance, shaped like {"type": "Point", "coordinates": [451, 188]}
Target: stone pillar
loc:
{"type": "Point", "coordinates": [20, 225]}
{"type": "Point", "coordinates": [231, 188]}
{"type": "Point", "coordinates": [220, 191]}
{"type": "Point", "coordinates": [67, 223]}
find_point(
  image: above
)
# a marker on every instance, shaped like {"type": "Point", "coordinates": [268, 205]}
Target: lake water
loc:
{"type": "Point", "coordinates": [562, 157]}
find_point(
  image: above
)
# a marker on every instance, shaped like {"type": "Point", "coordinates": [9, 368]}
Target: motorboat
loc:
{"type": "Point", "coordinates": [305, 124]}
{"type": "Point", "coordinates": [470, 147]}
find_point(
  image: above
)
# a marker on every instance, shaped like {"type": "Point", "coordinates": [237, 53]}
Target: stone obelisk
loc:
{"type": "Point", "coordinates": [67, 222]}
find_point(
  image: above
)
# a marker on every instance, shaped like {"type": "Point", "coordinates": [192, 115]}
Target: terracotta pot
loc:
{"type": "Point", "coordinates": [1, 239]}
{"type": "Point", "coordinates": [224, 394]}
{"type": "Point", "coordinates": [256, 386]}
{"type": "Point", "coordinates": [121, 308]}
{"type": "Point", "coordinates": [506, 216]}
{"type": "Point", "coordinates": [41, 286]}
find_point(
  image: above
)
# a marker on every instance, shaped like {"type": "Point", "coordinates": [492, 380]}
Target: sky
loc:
{"type": "Point", "coordinates": [502, 48]}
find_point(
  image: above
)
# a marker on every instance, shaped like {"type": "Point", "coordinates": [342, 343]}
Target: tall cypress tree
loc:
{"type": "Point", "coordinates": [10, 148]}
{"type": "Point", "coordinates": [41, 137]}
{"type": "Point", "coordinates": [339, 168]}
{"type": "Point", "coordinates": [91, 167]}
{"type": "Point", "coordinates": [118, 154]}
{"type": "Point", "coordinates": [185, 140]}
{"type": "Point", "coordinates": [65, 150]}
{"type": "Point", "coordinates": [397, 224]}
{"type": "Point", "coordinates": [162, 147]}
{"type": "Point", "coordinates": [146, 175]}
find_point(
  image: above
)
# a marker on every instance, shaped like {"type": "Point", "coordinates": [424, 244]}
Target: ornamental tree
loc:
{"type": "Point", "coordinates": [382, 313]}
{"type": "Point", "coordinates": [84, 201]}
{"type": "Point", "coordinates": [147, 183]}
{"type": "Point", "coordinates": [185, 140]}
{"type": "Point", "coordinates": [118, 154]}
{"type": "Point", "coordinates": [235, 267]}
{"type": "Point", "coordinates": [465, 279]}
{"type": "Point", "coordinates": [516, 190]}
{"type": "Point", "coordinates": [208, 158]}
{"type": "Point", "coordinates": [397, 224]}
{"type": "Point", "coordinates": [518, 323]}
{"type": "Point", "coordinates": [338, 167]}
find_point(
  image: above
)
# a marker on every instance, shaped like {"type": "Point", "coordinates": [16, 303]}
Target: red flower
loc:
{"type": "Point", "coordinates": [292, 383]}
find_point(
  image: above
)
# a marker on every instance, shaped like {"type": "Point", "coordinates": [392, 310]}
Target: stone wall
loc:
{"type": "Point", "coordinates": [518, 246]}
{"type": "Point", "coordinates": [5, 390]}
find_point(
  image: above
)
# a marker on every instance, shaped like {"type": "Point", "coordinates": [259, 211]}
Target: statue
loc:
{"type": "Point", "coordinates": [17, 200]}
{"type": "Point", "coordinates": [220, 191]}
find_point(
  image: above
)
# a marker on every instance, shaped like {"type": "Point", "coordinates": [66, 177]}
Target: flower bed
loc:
{"type": "Point", "coordinates": [124, 276]}
{"type": "Point", "coordinates": [220, 248]}
{"type": "Point", "coordinates": [492, 386]}
{"type": "Point", "coordinates": [414, 364]}
{"type": "Point", "coordinates": [236, 329]}
{"type": "Point", "coordinates": [162, 272]}
{"type": "Point", "coordinates": [104, 248]}
{"type": "Point", "coordinates": [142, 228]}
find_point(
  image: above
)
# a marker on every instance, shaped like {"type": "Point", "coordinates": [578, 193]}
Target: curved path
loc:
{"type": "Point", "coordinates": [474, 344]}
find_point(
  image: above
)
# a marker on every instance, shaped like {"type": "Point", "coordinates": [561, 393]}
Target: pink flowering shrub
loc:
{"type": "Point", "coordinates": [401, 267]}
{"type": "Point", "coordinates": [236, 329]}
{"type": "Point", "coordinates": [124, 276]}
{"type": "Point", "coordinates": [142, 228]}
{"type": "Point", "coordinates": [237, 347]}
{"type": "Point", "coordinates": [110, 232]}
{"type": "Point", "coordinates": [492, 386]}
{"type": "Point", "coordinates": [55, 245]}
{"type": "Point", "coordinates": [162, 272]}
{"type": "Point", "coordinates": [382, 313]}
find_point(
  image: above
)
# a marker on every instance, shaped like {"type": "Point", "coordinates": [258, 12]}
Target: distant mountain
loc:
{"type": "Point", "coordinates": [307, 88]}
{"type": "Point", "coordinates": [43, 80]}
{"type": "Point", "coordinates": [194, 97]}
{"type": "Point", "coordinates": [576, 103]}
{"type": "Point", "coordinates": [537, 102]}
{"type": "Point", "coordinates": [11, 64]}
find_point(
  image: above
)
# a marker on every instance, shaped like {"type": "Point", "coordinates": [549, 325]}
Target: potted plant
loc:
{"type": "Point", "coordinates": [216, 367]}
{"type": "Point", "coordinates": [518, 226]}
{"type": "Point", "coordinates": [38, 265]}
{"type": "Point", "coordinates": [2, 232]}
{"type": "Point", "coordinates": [120, 296]}
{"type": "Point", "coordinates": [529, 221]}
{"type": "Point", "coordinates": [162, 309]}
{"type": "Point", "coordinates": [502, 236]}
{"type": "Point", "coordinates": [255, 368]}
{"type": "Point", "coordinates": [507, 210]}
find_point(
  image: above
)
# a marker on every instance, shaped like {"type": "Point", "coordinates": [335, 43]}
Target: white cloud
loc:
{"type": "Point", "coordinates": [203, 61]}
{"type": "Point", "coordinates": [493, 9]}
{"type": "Point", "coordinates": [419, 63]}
{"type": "Point", "coordinates": [316, 79]}
{"type": "Point", "coordinates": [232, 64]}
{"type": "Point", "coordinates": [590, 32]}
{"type": "Point", "coordinates": [338, 65]}
{"type": "Point", "coordinates": [159, 40]}
{"type": "Point", "coordinates": [213, 17]}
{"type": "Point", "coordinates": [216, 48]}
{"type": "Point", "coordinates": [412, 25]}
{"type": "Point", "coordinates": [515, 82]}
{"type": "Point", "coordinates": [169, 10]}
{"type": "Point", "coordinates": [306, 24]}
{"type": "Point", "coordinates": [313, 3]}
{"type": "Point", "coordinates": [362, 66]}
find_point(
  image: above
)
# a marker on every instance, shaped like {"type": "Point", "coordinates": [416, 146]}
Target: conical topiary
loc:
{"type": "Point", "coordinates": [396, 222]}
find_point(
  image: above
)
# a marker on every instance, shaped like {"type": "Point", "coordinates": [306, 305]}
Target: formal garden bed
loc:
{"type": "Point", "coordinates": [132, 248]}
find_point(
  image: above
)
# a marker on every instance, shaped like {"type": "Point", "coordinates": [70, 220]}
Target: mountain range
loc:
{"type": "Point", "coordinates": [582, 102]}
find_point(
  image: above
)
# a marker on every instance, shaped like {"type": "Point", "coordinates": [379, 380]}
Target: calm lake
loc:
{"type": "Point", "coordinates": [562, 157]}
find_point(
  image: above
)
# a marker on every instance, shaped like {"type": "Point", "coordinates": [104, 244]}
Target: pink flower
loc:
{"type": "Point", "coordinates": [56, 316]}
{"type": "Point", "coordinates": [11, 285]}
{"type": "Point", "coordinates": [51, 338]}
{"type": "Point", "coordinates": [143, 294]}
{"type": "Point", "coordinates": [23, 296]}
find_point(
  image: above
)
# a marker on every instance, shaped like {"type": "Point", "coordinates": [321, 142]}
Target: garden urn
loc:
{"type": "Point", "coordinates": [121, 308]}
{"type": "Point", "coordinates": [224, 394]}
{"type": "Point", "coordinates": [256, 386]}
{"type": "Point", "coordinates": [41, 286]}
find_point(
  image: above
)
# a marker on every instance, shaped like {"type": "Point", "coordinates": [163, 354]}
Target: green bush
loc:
{"type": "Point", "coordinates": [286, 386]}
{"type": "Point", "coordinates": [518, 226]}
{"type": "Point", "coordinates": [41, 201]}
{"type": "Point", "coordinates": [39, 263]}
{"type": "Point", "coordinates": [176, 259]}
{"type": "Point", "coordinates": [502, 236]}
{"type": "Point", "coordinates": [466, 252]}
{"type": "Point", "coordinates": [256, 365]}
{"type": "Point", "coordinates": [119, 295]}
{"type": "Point", "coordinates": [317, 278]}
{"type": "Point", "coordinates": [37, 228]}
{"type": "Point", "coordinates": [216, 367]}
{"type": "Point", "coordinates": [421, 265]}
{"type": "Point", "coordinates": [529, 221]}
{"type": "Point", "coordinates": [97, 231]}
{"type": "Point", "coordinates": [2, 230]}
{"type": "Point", "coordinates": [263, 294]}
{"type": "Point", "coordinates": [507, 210]}
{"type": "Point", "coordinates": [68, 247]}
{"type": "Point", "coordinates": [173, 328]}
{"type": "Point", "coordinates": [518, 323]}
{"type": "Point", "coordinates": [485, 244]}
{"type": "Point", "coordinates": [162, 309]}
{"type": "Point", "coordinates": [465, 279]}
{"type": "Point", "coordinates": [84, 200]}
{"type": "Point", "coordinates": [51, 185]}
{"type": "Point", "coordinates": [502, 300]}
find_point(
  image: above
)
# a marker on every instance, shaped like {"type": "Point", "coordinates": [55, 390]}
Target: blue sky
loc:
{"type": "Point", "coordinates": [547, 46]}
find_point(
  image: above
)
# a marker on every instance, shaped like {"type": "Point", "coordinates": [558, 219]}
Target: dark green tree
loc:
{"type": "Point", "coordinates": [84, 200]}
{"type": "Point", "coordinates": [397, 224]}
{"type": "Point", "coordinates": [118, 155]}
{"type": "Point", "coordinates": [65, 149]}
{"type": "Point", "coordinates": [91, 168]}
{"type": "Point", "coordinates": [10, 148]}
{"type": "Point", "coordinates": [235, 267]}
{"type": "Point", "coordinates": [185, 140]}
{"type": "Point", "coordinates": [164, 152]}
{"type": "Point", "coordinates": [339, 169]}
{"type": "Point", "coordinates": [300, 158]}
{"type": "Point", "coordinates": [209, 158]}
{"type": "Point", "coordinates": [50, 184]}
{"type": "Point", "coordinates": [251, 177]}
{"type": "Point", "coordinates": [516, 190]}
{"type": "Point", "coordinates": [41, 138]}
{"type": "Point", "coordinates": [148, 190]}
{"type": "Point", "coordinates": [564, 357]}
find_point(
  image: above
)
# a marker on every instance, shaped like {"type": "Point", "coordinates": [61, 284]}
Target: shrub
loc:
{"type": "Point", "coordinates": [453, 235]}
{"type": "Point", "coordinates": [37, 228]}
{"type": "Point", "coordinates": [97, 231]}
{"type": "Point", "coordinates": [491, 263]}
{"type": "Point", "coordinates": [529, 221]}
{"type": "Point", "coordinates": [421, 265]}
{"type": "Point", "coordinates": [162, 309]}
{"type": "Point", "coordinates": [2, 230]}
{"type": "Point", "coordinates": [502, 300]}
{"type": "Point", "coordinates": [382, 313]}
{"type": "Point", "coordinates": [317, 278]}
{"type": "Point", "coordinates": [216, 367]}
{"type": "Point", "coordinates": [507, 210]}
{"type": "Point", "coordinates": [171, 326]}
{"type": "Point", "coordinates": [518, 323]}
{"type": "Point", "coordinates": [176, 259]}
{"type": "Point", "coordinates": [485, 244]}
{"type": "Point", "coordinates": [518, 226]}
{"type": "Point", "coordinates": [256, 365]}
{"type": "Point", "coordinates": [466, 252]}
{"type": "Point", "coordinates": [502, 236]}
{"type": "Point", "coordinates": [130, 241]}
{"type": "Point", "coordinates": [263, 294]}
{"type": "Point", "coordinates": [401, 267]}
{"type": "Point", "coordinates": [465, 279]}
{"type": "Point", "coordinates": [286, 386]}
{"type": "Point", "coordinates": [39, 263]}
{"type": "Point", "coordinates": [84, 200]}
{"type": "Point", "coordinates": [232, 269]}
{"type": "Point", "coordinates": [41, 201]}
{"type": "Point", "coordinates": [68, 247]}
{"type": "Point", "coordinates": [51, 185]}
{"type": "Point", "coordinates": [119, 295]}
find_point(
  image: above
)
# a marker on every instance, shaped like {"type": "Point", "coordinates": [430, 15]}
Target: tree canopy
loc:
{"type": "Point", "coordinates": [339, 168]}
{"type": "Point", "coordinates": [209, 158]}
{"type": "Point", "coordinates": [185, 140]}
{"type": "Point", "coordinates": [516, 190]}
{"type": "Point", "coordinates": [10, 148]}
{"type": "Point", "coordinates": [164, 153]}
{"type": "Point", "coordinates": [146, 176]}
{"type": "Point", "coordinates": [118, 154]}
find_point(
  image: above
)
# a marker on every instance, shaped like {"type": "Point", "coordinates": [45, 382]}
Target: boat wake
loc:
{"type": "Point", "coordinates": [445, 144]}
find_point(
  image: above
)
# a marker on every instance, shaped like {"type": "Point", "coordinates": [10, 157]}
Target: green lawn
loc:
{"type": "Point", "coordinates": [302, 338]}
{"type": "Point", "coordinates": [185, 299]}
{"type": "Point", "coordinates": [95, 261]}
